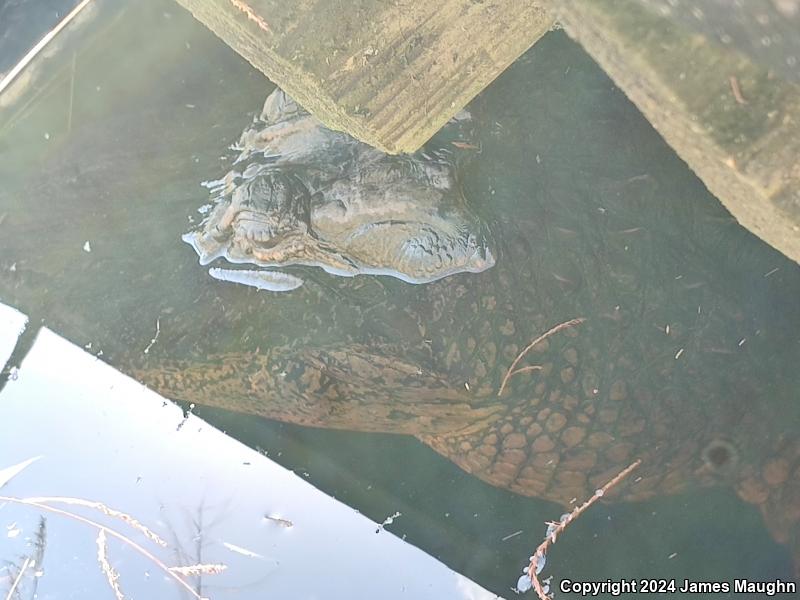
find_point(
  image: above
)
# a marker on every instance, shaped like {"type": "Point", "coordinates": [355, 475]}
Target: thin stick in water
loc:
{"type": "Point", "coordinates": [155, 337]}
{"type": "Point", "coordinates": [555, 529]}
{"type": "Point", "coordinates": [541, 338]}
{"type": "Point", "coordinates": [71, 90]}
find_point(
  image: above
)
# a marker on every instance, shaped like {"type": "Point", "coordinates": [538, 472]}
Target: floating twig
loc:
{"type": "Point", "coordinates": [279, 521]}
{"type": "Point", "coordinates": [155, 337]}
{"type": "Point", "coordinates": [541, 338]}
{"type": "Point", "coordinates": [71, 90]}
{"type": "Point", "coordinates": [736, 90]}
{"type": "Point", "coordinates": [511, 535]}
{"type": "Point", "coordinates": [195, 570]}
{"type": "Point", "coordinates": [554, 529]}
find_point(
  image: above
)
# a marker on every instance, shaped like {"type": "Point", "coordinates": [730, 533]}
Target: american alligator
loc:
{"type": "Point", "coordinates": [658, 372]}
{"type": "Point", "coordinates": [668, 367]}
{"type": "Point", "coordinates": [303, 194]}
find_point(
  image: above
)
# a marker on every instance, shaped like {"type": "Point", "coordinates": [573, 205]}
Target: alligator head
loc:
{"type": "Point", "coordinates": [312, 196]}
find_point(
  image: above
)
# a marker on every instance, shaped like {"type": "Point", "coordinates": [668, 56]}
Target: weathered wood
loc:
{"type": "Point", "coordinates": [389, 72]}
{"type": "Point", "coordinates": [735, 122]}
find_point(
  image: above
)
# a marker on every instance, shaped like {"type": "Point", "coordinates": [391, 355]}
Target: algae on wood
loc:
{"type": "Point", "coordinates": [735, 122]}
{"type": "Point", "coordinates": [389, 72]}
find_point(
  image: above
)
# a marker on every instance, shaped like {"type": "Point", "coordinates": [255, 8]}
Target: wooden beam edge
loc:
{"type": "Point", "coordinates": [233, 23]}
{"type": "Point", "coordinates": [735, 190]}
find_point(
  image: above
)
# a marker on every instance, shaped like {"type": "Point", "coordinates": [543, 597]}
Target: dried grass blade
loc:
{"type": "Point", "coordinates": [111, 574]}
{"type": "Point", "coordinates": [194, 570]}
{"type": "Point", "coordinates": [106, 510]}
{"type": "Point", "coordinates": [526, 369]}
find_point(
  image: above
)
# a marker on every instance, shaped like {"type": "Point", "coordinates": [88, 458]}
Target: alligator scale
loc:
{"type": "Point", "coordinates": [657, 372]}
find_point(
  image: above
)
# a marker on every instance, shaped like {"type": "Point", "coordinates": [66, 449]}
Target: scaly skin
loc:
{"type": "Point", "coordinates": [691, 403]}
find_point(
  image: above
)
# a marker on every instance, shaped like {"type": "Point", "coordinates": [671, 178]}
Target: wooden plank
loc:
{"type": "Point", "coordinates": [732, 118]}
{"type": "Point", "coordinates": [389, 72]}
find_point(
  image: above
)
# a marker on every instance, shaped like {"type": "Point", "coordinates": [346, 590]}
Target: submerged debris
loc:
{"type": "Point", "coordinates": [529, 578]}
{"type": "Point", "coordinates": [155, 337]}
{"type": "Point", "coordinates": [279, 521]}
{"type": "Point", "coordinates": [511, 535]}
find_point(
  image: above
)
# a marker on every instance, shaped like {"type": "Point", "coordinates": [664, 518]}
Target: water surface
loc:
{"type": "Point", "coordinates": [111, 146]}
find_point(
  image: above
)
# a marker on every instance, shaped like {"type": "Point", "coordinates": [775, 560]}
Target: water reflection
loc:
{"type": "Point", "coordinates": [686, 360]}
{"type": "Point", "coordinates": [169, 491]}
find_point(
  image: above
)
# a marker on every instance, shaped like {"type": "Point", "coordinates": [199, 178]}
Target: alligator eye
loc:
{"type": "Point", "coordinates": [720, 455]}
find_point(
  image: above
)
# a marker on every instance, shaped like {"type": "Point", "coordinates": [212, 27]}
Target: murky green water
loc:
{"type": "Point", "coordinates": [592, 214]}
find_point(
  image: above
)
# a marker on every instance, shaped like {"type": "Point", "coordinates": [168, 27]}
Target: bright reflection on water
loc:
{"type": "Point", "coordinates": [197, 497]}
{"type": "Point", "coordinates": [594, 217]}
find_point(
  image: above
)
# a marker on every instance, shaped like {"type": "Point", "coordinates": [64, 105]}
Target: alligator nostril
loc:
{"type": "Point", "coordinates": [720, 455]}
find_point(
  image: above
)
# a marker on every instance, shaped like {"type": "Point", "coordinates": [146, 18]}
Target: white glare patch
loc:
{"type": "Point", "coordinates": [240, 550]}
{"type": "Point", "coordinates": [87, 247]}
{"type": "Point", "coordinates": [9, 473]}
{"type": "Point", "coordinates": [524, 583]}
{"type": "Point", "coordinates": [273, 281]}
